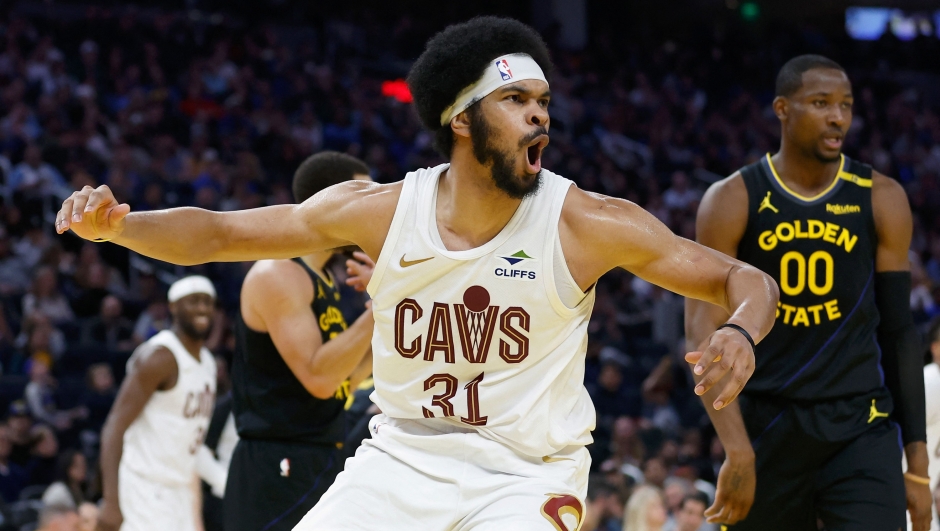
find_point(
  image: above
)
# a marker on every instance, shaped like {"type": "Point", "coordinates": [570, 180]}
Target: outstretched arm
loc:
{"type": "Point", "coordinates": [720, 224]}
{"type": "Point", "coordinates": [599, 233]}
{"type": "Point", "coordinates": [350, 213]}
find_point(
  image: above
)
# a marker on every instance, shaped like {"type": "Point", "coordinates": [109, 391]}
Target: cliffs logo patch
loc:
{"type": "Point", "coordinates": [513, 272]}
{"type": "Point", "coordinates": [564, 511]}
{"type": "Point", "coordinates": [504, 70]}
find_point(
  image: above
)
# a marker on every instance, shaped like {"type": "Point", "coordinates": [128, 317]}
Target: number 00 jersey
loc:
{"type": "Point", "coordinates": [480, 338]}
{"type": "Point", "coordinates": [821, 252]}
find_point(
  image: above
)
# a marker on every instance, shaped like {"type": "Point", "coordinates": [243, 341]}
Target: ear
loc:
{"type": "Point", "coordinates": [460, 124]}
{"type": "Point", "coordinates": [781, 107]}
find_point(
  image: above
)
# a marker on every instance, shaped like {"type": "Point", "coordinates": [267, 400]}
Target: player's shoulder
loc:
{"type": "Point", "coordinates": [153, 359]}
{"type": "Point", "coordinates": [887, 189]}
{"type": "Point", "coordinates": [365, 194]}
{"type": "Point", "coordinates": [277, 279]}
{"type": "Point", "coordinates": [582, 207]}
{"type": "Point", "coordinates": [732, 188]}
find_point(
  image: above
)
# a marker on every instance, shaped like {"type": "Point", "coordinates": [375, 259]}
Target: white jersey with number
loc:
{"type": "Point", "coordinates": [932, 395]}
{"type": "Point", "coordinates": [481, 338]}
{"type": "Point", "coordinates": [161, 444]}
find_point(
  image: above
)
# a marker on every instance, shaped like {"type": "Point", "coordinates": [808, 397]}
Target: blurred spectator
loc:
{"type": "Point", "coordinates": [152, 320]}
{"type": "Point", "coordinates": [655, 472]}
{"type": "Point", "coordinates": [13, 478]}
{"type": "Point", "coordinates": [109, 329]}
{"type": "Point", "coordinates": [93, 287]}
{"type": "Point", "coordinates": [600, 511]}
{"type": "Point", "coordinates": [43, 455]}
{"type": "Point", "coordinates": [680, 196]}
{"type": "Point", "coordinates": [40, 397]}
{"type": "Point", "coordinates": [690, 515]}
{"type": "Point", "coordinates": [40, 341]}
{"type": "Point", "coordinates": [98, 396]}
{"type": "Point", "coordinates": [58, 518]}
{"type": "Point", "coordinates": [44, 297]}
{"type": "Point", "coordinates": [35, 178]}
{"type": "Point", "coordinates": [645, 510]}
{"type": "Point", "coordinates": [14, 273]}
{"type": "Point", "coordinates": [674, 491]}
{"type": "Point", "coordinates": [71, 481]}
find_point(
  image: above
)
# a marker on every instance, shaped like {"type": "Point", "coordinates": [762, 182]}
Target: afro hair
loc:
{"type": "Point", "coordinates": [323, 170]}
{"type": "Point", "coordinates": [457, 57]}
{"type": "Point", "coordinates": [790, 77]}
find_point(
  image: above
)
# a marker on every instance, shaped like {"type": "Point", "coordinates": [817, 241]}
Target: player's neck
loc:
{"type": "Point", "coordinates": [317, 261]}
{"type": "Point", "coordinates": [192, 345]}
{"type": "Point", "coordinates": [805, 174]}
{"type": "Point", "coordinates": [471, 210]}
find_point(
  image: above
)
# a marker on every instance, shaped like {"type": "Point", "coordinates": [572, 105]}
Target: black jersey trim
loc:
{"type": "Point", "coordinates": [848, 317]}
{"type": "Point", "coordinates": [831, 190]}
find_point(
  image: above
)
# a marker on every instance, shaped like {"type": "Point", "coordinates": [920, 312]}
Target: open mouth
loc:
{"type": "Point", "coordinates": [534, 153]}
{"type": "Point", "coordinates": [833, 141]}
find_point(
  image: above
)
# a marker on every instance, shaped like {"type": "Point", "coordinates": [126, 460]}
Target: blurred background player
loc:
{"type": "Point", "coordinates": [932, 393]}
{"type": "Point", "coordinates": [296, 363]}
{"type": "Point", "coordinates": [835, 235]}
{"type": "Point", "coordinates": [156, 428]}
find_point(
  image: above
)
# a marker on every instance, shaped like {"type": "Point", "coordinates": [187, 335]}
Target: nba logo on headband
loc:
{"type": "Point", "coordinates": [504, 70]}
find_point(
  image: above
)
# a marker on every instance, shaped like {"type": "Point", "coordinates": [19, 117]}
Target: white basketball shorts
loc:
{"type": "Point", "coordinates": [149, 506]}
{"type": "Point", "coordinates": [431, 476]}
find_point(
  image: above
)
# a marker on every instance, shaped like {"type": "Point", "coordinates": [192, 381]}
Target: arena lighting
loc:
{"type": "Point", "coordinates": [871, 23]}
{"type": "Point", "coordinates": [397, 89]}
{"type": "Point", "coordinates": [750, 11]}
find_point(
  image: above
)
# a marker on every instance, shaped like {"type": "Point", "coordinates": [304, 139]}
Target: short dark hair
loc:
{"type": "Point", "coordinates": [598, 487]}
{"type": "Point", "coordinates": [698, 496]}
{"type": "Point", "coordinates": [790, 77]}
{"type": "Point", "coordinates": [457, 57]}
{"type": "Point", "coordinates": [323, 170]}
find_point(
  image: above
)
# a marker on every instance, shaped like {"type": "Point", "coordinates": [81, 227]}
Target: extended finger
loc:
{"type": "Point", "coordinates": [79, 201]}
{"type": "Point", "coordinates": [364, 258]}
{"type": "Point", "coordinates": [64, 215]}
{"type": "Point", "coordinates": [693, 357]}
{"type": "Point", "coordinates": [711, 354]}
{"type": "Point", "coordinates": [713, 374]}
{"type": "Point", "coordinates": [98, 197]}
{"type": "Point", "coordinates": [740, 373]}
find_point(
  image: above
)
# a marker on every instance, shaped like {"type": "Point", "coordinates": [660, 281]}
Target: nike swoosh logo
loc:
{"type": "Point", "coordinates": [409, 263]}
{"type": "Point", "coordinates": [550, 459]}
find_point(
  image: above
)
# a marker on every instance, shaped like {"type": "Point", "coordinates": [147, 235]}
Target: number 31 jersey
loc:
{"type": "Point", "coordinates": [481, 338]}
{"type": "Point", "coordinates": [821, 252]}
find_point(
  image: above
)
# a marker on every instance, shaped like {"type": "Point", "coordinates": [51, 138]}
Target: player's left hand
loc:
{"type": "Point", "coordinates": [359, 270]}
{"type": "Point", "coordinates": [727, 352]}
{"type": "Point", "coordinates": [919, 504]}
{"type": "Point", "coordinates": [734, 494]}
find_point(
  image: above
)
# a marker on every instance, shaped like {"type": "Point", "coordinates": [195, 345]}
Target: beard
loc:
{"type": "Point", "coordinates": [501, 163]}
{"type": "Point", "coordinates": [190, 330]}
{"type": "Point", "coordinates": [825, 158]}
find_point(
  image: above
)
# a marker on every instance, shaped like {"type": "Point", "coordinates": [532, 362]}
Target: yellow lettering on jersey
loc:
{"type": "Point", "coordinates": [800, 315]}
{"type": "Point", "coordinates": [330, 317]}
{"type": "Point", "coordinates": [320, 293]}
{"type": "Point", "coordinates": [342, 392]}
{"type": "Point", "coordinates": [832, 309]}
{"type": "Point", "coordinates": [815, 230]}
{"type": "Point", "coordinates": [843, 209]}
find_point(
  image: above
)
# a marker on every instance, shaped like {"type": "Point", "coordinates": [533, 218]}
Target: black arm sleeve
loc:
{"type": "Point", "coordinates": [900, 354]}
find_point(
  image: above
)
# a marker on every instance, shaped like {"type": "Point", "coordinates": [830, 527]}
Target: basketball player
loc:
{"type": "Point", "coordinates": [159, 419]}
{"type": "Point", "coordinates": [835, 235]}
{"type": "Point", "coordinates": [481, 296]}
{"type": "Point", "coordinates": [294, 366]}
{"type": "Point", "coordinates": [932, 392]}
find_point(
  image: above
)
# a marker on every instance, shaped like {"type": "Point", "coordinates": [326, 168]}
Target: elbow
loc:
{"type": "Point", "coordinates": [321, 390]}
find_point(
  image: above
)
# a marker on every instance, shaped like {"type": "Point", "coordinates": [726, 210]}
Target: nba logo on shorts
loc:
{"type": "Point", "coordinates": [503, 68]}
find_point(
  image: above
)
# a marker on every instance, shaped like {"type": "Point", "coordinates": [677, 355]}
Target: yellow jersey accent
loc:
{"type": "Point", "coordinates": [852, 178]}
{"type": "Point", "coordinates": [766, 204]}
{"type": "Point", "coordinates": [828, 188]}
{"type": "Point", "coordinates": [873, 413]}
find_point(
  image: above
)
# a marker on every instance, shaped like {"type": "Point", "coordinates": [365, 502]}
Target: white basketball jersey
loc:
{"type": "Point", "coordinates": [161, 444]}
{"type": "Point", "coordinates": [480, 337]}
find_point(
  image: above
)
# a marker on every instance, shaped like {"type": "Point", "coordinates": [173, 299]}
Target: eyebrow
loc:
{"type": "Point", "coordinates": [516, 87]}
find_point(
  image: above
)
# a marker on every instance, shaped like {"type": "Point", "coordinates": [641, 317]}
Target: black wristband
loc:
{"type": "Point", "coordinates": [743, 333]}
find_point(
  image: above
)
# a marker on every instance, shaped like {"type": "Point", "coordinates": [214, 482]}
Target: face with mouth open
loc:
{"type": "Point", "coordinates": [819, 114]}
{"type": "Point", "coordinates": [193, 313]}
{"type": "Point", "coordinates": [509, 131]}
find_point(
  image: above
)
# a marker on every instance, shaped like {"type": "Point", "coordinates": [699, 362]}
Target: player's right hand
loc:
{"type": "Point", "coordinates": [734, 494]}
{"type": "Point", "coordinates": [109, 518]}
{"type": "Point", "coordinates": [727, 353]}
{"type": "Point", "coordinates": [93, 214]}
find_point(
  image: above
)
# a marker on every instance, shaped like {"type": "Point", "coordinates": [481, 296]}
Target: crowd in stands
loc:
{"type": "Point", "coordinates": [172, 110]}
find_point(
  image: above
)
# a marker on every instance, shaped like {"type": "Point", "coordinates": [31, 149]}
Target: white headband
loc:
{"type": "Point", "coordinates": [502, 71]}
{"type": "Point", "coordinates": [190, 285]}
